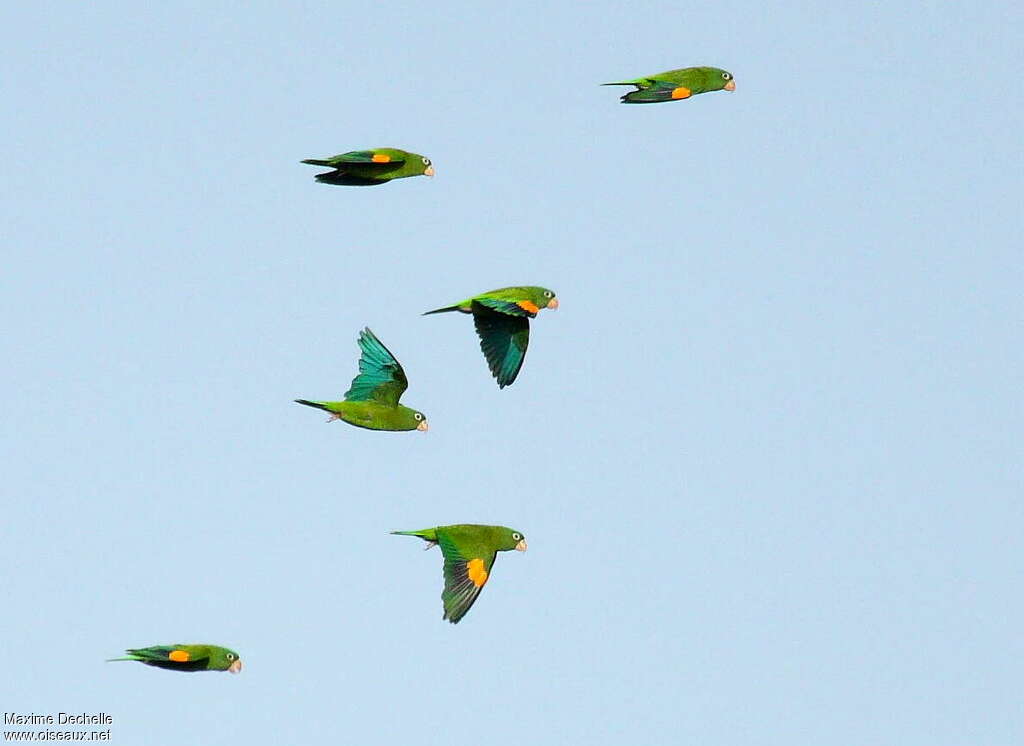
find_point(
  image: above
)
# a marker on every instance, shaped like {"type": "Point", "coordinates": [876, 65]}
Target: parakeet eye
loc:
{"type": "Point", "coordinates": [418, 416]}
{"type": "Point", "coordinates": [426, 161]}
{"type": "Point", "coordinates": [548, 293]}
{"type": "Point", "coordinates": [726, 76]}
{"type": "Point", "coordinates": [516, 536]}
{"type": "Point", "coordinates": [231, 656]}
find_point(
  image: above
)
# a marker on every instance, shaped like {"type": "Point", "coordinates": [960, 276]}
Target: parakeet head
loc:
{"type": "Point", "coordinates": [512, 539]}
{"type": "Point", "coordinates": [411, 419]}
{"type": "Point", "coordinates": [717, 79]}
{"type": "Point", "coordinates": [542, 297]}
{"type": "Point", "coordinates": [222, 659]}
{"type": "Point", "coordinates": [416, 164]}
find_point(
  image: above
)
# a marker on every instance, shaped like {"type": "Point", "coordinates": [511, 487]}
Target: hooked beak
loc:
{"type": "Point", "coordinates": [521, 546]}
{"type": "Point", "coordinates": [553, 304]}
{"type": "Point", "coordinates": [422, 426]}
{"type": "Point", "coordinates": [430, 169]}
{"type": "Point", "coordinates": [731, 85]}
{"type": "Point", "coordinates": [236, 666]}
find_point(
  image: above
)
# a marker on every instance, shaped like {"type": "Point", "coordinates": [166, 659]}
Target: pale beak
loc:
{"type": "Point", "coordinates": [521, 546]}
{"type": "Point", "coordinates": [553, 304]}
{"type": "Point", "coordinates": [422, 426]}
{"type": "Point", "coordinates": [731, 85]}
{"type": "Point", "coordinates": [236, 666]}
{"type": "Point", "coordinates": [430, 169]}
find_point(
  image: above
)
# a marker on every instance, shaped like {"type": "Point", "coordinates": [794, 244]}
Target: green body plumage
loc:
{"type": "Point", "coordinates": [189, 658]}
{"type": "Point", "coordinates": [372, 399]}
{"type": "Point", "coordinates": [469, 551]}
{"type": "Point", "coordinates": [370, 167]}
{"type": "Point", "coordinates": [674, 85]}
{"type": "Point", "coordinates": [502, 321]}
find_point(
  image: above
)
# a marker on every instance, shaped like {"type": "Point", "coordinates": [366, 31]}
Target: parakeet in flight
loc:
{"type": "Point", "coordinates": [469, 551]}
{"type": "Point", "coordinates": [372, 399]}
{"type": "Point", "coordinates": [369, 167]}
{"type": "Point", "coordinates": [186, 657]}
{"type": "Point", "coordinates": [677, 84]}
{"type": "Point", "coordinates": [502, 320]}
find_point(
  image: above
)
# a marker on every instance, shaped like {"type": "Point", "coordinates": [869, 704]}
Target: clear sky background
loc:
{"type": "Point", "coordinates": [767, 454]}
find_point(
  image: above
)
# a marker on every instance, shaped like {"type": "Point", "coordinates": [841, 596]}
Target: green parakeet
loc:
{"type": "Point", "coordinates": [502, 320]}
{"type": "Point", "coordinates": [369, 167]}
{"type": "Point", "coordinates": [469, 551]}
{"type": "Point", "coordinates": [372, 399]}
{"type": "Point", "coordinates": [186, 657]}
{"type": "Point", "coordinates": [677, 84]}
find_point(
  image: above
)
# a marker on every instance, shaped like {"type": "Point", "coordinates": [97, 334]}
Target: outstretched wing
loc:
{"type": "Point", "coordinates": [504, 336]}
{"type": "Point", "coordinates": [381, 377]}
{"type": "Point", "coordinates": [464, 577]}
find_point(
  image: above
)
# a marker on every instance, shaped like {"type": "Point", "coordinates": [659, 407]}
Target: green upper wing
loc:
{"type": "Point", "coordinates": [466, 571]}
{"type": "Point", "coordinates": [512, 308]}
{"type": "Point", "coordinates": [368, 158]}
{"type": "Point", "coordinates": [503, 339]}
{"type": "Point", "coordinates": [381, 377]}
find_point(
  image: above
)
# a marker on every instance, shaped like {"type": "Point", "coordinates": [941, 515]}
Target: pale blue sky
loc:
{"type": "Point", "coordinates": [767, 453]}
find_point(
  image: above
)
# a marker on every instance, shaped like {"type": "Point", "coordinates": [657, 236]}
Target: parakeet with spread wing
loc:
{"type": "Point", "coordinates": [502, 320]}
{"type": "Point", "coordinates": [372, 399]}
{"type": "Point", "coordinates": [469, 551]}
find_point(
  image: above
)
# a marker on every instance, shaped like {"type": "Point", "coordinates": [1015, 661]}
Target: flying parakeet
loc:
{"type": "Point", "coordinates": [469, 551]}
{"type": "Point", "coordinates": [502, 320]}
{"type": "Point", "coordinates": [372, 399]}
{"type": "Point", "coordinates": [186, 657]}
{"type": "Point", "coordinates": [676, 84]}
{"type": "Point", "coordinates": [369, 167]}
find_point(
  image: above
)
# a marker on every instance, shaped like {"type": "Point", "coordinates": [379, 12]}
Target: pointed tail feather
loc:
{"type": "Point", "coordinates": [314, 404]}
{"type": "Point", "coordinates": [427, 534]}
{"type": "Point", "coordinates": [318, 162]}
{"type": "Point", "coordinates": [442, 310]}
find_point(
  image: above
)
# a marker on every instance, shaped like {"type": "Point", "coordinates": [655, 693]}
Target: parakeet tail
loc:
{"type": "Point", "coordinates": [618, 82]}
{"type": "Point", "coordinates": [318, 162]}
{"type": "Point", "coordinates": [314, 404]}
{"type": "Point", "coordinates": [133, 658]}
{"type": "Point", "coordinates": [427, 534]}
{"type": "Point", "coordinates": [442, 310]}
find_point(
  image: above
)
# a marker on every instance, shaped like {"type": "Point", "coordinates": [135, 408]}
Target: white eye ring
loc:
{"type": "Point", "coordinates": [426, 161]}
{"type": "Point", "coordinates": [231, 656]}
{"type": "Point", "coordinates": [418, 416]}
{"type": "Point", "coordinates": [727, 76]}
{"type": "Point", "coordinates": [516, 535]}
{"type": "Point", "coordinates": [547, 293]}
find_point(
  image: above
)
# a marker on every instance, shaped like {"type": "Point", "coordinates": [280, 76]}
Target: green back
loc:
{"type": "Point", "coordinates": [697, 79]}
{"type": "Point", "coordinates": [373, 415]}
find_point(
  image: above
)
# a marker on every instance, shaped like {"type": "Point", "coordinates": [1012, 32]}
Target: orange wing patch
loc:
{"type": "Point", "coordinates": [381, 158]}
{"type": "Point", "coordinates": [681, 92]}
{"type": "Point", "coordinates": [527, 306]}
{"type": "Point", "coordinates": [179, 656]}
{"type": "Point", "coordinates": [476, 572]}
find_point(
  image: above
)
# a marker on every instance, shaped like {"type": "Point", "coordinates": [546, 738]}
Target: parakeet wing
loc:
{"type": "Point", "coordinates": [368, 158]}
{"type": "Point", "coordinates": [167, 654]}
{"type": "Point", "coordinates": [503, 339]}
{"type": "Point", "coordinates": [381, 377]}
{"type": "Point", "coordinates": [513, 308]}
{"type": "Point", "coordinates": [464, 577]}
